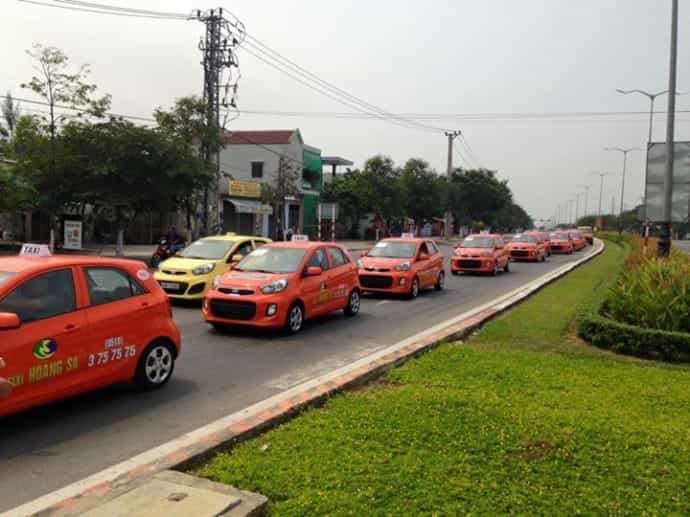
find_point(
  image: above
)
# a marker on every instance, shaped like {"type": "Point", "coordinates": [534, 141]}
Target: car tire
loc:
{"type": "Point", "coordinates": [506, 269]}
{"type": "Point", "coordinates": [414, 289]}
{"type": "Point", "coordinates": [354, 302]}
{"type": "Point", "coordinates": [456, 273]}
{"type": "Point", "coordinates": [294, 320]}
{"type": "Point", "coordinates": [543, 257]}
{"type": "Point", "coordinates": [440, 281]}
{"type": "Point", "coordinates": [156, 365]}
{"type": "Point", "coordinates": [221, 328]}
{"type": "Point", "coordinates": [494, 272]}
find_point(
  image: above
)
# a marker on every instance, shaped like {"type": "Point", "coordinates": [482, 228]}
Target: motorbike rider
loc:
{"type": "Point", "coordinates": [175, 241]}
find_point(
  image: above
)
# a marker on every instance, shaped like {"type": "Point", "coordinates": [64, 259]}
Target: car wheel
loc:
{"type": "Point", "coordinates": [543, 257]}
{"type": "Point", "coordinates": [353, 303]}
{"type": "Point", "coordinates": [221, 328]}
{"type": "Point", "coordinates": [494, 272]}
{"type": "Point", "coordinates": [295, 318]}
{"type": "Point", "coordinates": [507, 266]}
{"type": "Point", "coordinates": [440, 281]}
{"type": "Point", "coordinates": [414, 288]}
{"type": "Point", "coordinates": [456, 273]}
{"type": "Point", "coordinates": [155, 366]}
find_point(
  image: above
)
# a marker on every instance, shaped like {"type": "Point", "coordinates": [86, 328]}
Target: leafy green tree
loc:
{"type": "Point", "coordinates": [283, 184]}
{"type": "Point", "coordinates": [9, 109]}
{"type": "Point", "coordinates": [424, 190]}
{"type": "Point", "coordinates": [59, 86]}
{"type": "Point", "coordinates": [510, 218]}
{"type": "Point", "coordinates": [476, 194]}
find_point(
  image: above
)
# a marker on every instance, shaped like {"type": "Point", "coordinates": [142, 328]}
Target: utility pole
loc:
{"type": "Point", "coordinates": [452, 135]}
{"type": "Point", "coordinates": [218, 47]}
{"type": "Point", "coordinates": [586, 189]}
{"type": "Point", "coordinates": [664, 246]}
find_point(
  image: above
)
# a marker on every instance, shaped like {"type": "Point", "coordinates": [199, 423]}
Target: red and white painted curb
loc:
{"type": "Point", "coordinates": [201, 443]}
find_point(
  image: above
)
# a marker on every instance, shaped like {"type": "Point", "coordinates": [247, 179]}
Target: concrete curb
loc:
{"type": "Point", "coordinates": [195, 447]}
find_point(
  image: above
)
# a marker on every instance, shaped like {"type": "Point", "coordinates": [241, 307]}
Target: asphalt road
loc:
{"type": "Point", "coordinates": [217, 374]}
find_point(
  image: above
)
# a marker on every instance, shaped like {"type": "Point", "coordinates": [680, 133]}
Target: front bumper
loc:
{"type": "Point", "coordinates": [184, 287]}
{"type": "Point", "coordinates": [251, 310]}
{"type": "Point", "coordinates": [395, 282]}
{"type": "Point", "coordinates": [479, 265]}
{"type": "Point", "coordinates": [526, 255]}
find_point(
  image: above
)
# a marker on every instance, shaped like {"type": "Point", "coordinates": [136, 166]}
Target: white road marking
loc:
{"type": "Point", "coordinates": [383, 302]}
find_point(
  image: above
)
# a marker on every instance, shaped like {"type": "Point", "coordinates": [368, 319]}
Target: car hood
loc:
{"type": "Point", "coordinates": [560, 242]}
{"type": "Point", "coordinates": [383, 262]}
{"type": "Point", "coordinates": [522, 245]}
{"type": "Point", "coordinates": [472, 251]}
{"type": "Point", "coordinates": [249, 279]}
{"type": "Point", "coordinates": [184, 264]}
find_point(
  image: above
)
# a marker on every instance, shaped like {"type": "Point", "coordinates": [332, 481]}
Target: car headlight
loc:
{"type": "Point", "coordinates": [215, 282]}
{"type": "Point", "coordinates": [204, 269]}
{"type": "Point", "coordinates": [360, 263]}
{"type": "Point", "coordinates": [275, 287]}
{"type": "Point", "coordinates": [405, 266]}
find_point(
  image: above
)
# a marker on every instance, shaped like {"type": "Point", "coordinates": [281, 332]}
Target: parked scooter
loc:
{"type": "Point", "coordinates": [165, 250]}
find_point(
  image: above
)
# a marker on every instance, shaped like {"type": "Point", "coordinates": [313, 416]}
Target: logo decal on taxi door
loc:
{"type": "Point", "coordinates": [45, 349]}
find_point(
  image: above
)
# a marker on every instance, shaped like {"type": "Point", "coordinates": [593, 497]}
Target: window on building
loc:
{"type": "Point", "coordinates": [257, 169]}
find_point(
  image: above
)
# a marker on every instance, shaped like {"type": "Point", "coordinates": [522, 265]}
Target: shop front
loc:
{"type": "Point", "coordinates": [243, 211]}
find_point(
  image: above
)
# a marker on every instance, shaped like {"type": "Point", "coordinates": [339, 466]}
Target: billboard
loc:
{"type": "Point", "coordinates": [249, 189]}
{"type": "Point", "coordinates": [73, 235]}
{"type": "Point", "coordinates": [654, 187]}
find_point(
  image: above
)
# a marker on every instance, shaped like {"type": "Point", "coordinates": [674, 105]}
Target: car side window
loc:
{"type": "Point", "coordinates": [244, 249]}
{"type": "Point", "coordinates": [258, 244]}
{"type": "Point", "coordinates": [423, 249]}
{"type": "Point", "coordinates": [108, 285]}
{"type": "Point", "coordinates": [319, 259]}
{"type": "Point", "coordinates": [338, 258]}
{"type": "Point", "coordinates": [41, 297]}
{"type": "Point", "coordinates": [432, 247]}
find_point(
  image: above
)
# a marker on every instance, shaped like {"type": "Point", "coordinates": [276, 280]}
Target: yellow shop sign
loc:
{"type": "Point", "coordinates": [240, 188]}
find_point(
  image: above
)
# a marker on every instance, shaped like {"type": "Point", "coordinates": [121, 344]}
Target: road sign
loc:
{"type": "Point", "coordinates": [654, 196]}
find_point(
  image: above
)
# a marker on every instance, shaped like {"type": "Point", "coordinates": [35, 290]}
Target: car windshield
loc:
{"type": "Point", "coordinates": [272, 260]}
{"type": "Point", "coordinates": [207, 249]}
{"type": "Point", "coordinates": [5, 276]}
{"type": "Point", "coordinates": [393, 249]}
{"type": "Point", "coordinates": [524, 238]}
{"type": "Point", "coordinates": [559, 235]}
{"type": "Point", "coordinates": [478, 242]}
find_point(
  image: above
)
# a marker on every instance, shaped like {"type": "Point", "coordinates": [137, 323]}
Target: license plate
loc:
{"type": "Point", "coordinates": [170, 285]}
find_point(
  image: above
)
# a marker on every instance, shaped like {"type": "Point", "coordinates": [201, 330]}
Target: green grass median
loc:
{"type": "Point", "coordinates": [523, 418]}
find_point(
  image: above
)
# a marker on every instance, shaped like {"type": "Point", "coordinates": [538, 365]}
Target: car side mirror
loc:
{"type": "Point", "coordinates": [9, 321]}
{"type": "Point", "coordinates": [236, 258]}
{"type": "Point", "coordinates": [313, 271]}
{"type": "Point", "coordinates": [423, 256]}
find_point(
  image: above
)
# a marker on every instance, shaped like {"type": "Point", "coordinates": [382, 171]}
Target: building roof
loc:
{"type": "Point", "coordinates": [262, 137]}
{"type": "Point", "coordinates": [335, 160]}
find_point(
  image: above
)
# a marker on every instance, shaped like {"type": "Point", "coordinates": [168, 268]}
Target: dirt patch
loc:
{"type": "Point", "coordinates": [533, 450]}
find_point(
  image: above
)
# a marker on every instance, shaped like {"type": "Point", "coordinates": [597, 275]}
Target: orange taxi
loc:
{"type": "Point", "coordinates": [72, 324]}
{"type": "Point", "coordinates": [284, 283]}
{"type": "Point", "coordinates": [484, 253]}
{"type": "Point", "coordinates": [579, 239]}
{"type": "Point", "coordinates": [544, 238]}
{"type": "Point", "coordinates": [528, 247]}
{"type": "Point", "coordinates": [561, 242]}
{"type": "Point", "coordinates": [403, 265]}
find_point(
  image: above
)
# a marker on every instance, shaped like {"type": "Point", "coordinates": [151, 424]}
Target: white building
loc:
{"type": "Point", "coordinates": [251, 159]}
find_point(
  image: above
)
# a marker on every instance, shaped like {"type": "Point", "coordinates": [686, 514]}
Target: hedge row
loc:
{"type": "Point", "coordinates": [624, 338]}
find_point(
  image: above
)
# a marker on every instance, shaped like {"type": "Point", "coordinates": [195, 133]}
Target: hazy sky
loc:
{"type": "Point", "coordinates": [440, 56]}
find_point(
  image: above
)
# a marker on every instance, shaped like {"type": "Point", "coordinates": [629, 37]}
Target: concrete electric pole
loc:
{"type": "Point", "coordinates": [448, 226]}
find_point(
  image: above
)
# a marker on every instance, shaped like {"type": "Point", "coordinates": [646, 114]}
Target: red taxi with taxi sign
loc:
{"type": "Point", "coordinates": [71, 324]}
{"type": "Point", "coordinates": [528, 247]}
{"type": "Point", "coordinates": [404, 265]}
{"type": "Point", "coordinates": [282, 284]}
{"type": "Point", "coordinates": [482, 253]}
{"type": "Point", "coordinates": [561, 242]}
{"type": "Point", "coordinates": [579, 239]}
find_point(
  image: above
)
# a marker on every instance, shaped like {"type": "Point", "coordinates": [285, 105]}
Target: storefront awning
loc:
{"type": "Point", "coordinates": [246, 206]}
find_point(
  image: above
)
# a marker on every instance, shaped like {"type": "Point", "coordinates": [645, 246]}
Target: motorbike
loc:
{"type": "Point", "coordinates": [164, 251]}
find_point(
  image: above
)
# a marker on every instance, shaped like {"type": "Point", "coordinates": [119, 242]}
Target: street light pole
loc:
{"type": "Point", "coordinates": [577, 206]}
{"type": "Point", "coordinates": [586, 189]}
{"type": "Point", "coordinates": [625, 160]}
{"type": "Point", "coordinates": [664, 246]}
{"type": "Point", "coordinates": [601, 191]}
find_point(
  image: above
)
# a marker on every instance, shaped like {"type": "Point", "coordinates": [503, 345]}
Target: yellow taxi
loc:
{"type": "Point", "coordinates": [190, 274]}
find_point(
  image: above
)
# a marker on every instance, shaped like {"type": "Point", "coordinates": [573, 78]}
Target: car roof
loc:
{"type": "Point", "coordinates": [404, 239]}
{"type": "Point", "coordinates": [231, 237]}
{"type": "Point", "coordinates": [17, 264]}
{"type": "Point", "coordinates": [301, 244]}
{"type": "Point", "coordinates": [490, 235]}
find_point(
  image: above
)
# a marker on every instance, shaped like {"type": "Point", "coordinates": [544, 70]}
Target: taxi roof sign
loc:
{"type": "Point", "coordinates": [35, 250]}
{"type": "Point", "coordinates": [300, 237]}
{"type": "Point", "coordinates": [407, 236]}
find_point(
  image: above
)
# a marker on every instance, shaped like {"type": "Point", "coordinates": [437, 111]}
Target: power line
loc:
{"type": "Point", "coordinates": [94, 11]}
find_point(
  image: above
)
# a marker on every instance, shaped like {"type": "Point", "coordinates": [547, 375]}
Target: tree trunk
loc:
{"type": "Point", "coordinates": [120, 246]}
